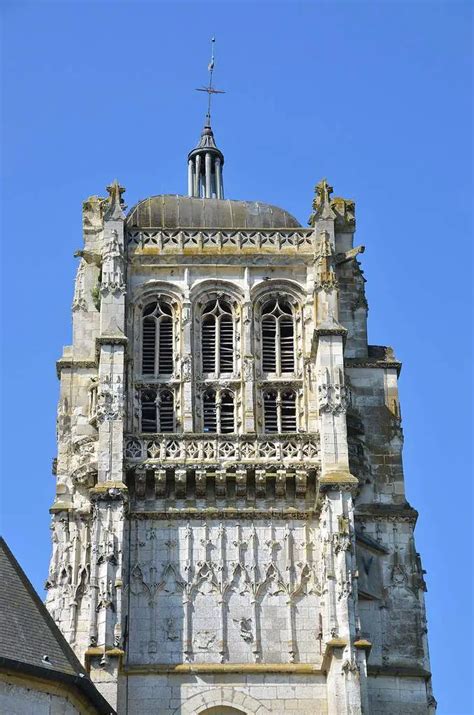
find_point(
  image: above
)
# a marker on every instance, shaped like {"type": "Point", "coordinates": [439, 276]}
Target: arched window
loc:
{"type": "Point", "coordinates": [157, 339]}
{"type": "Point", "coordinates": [279, 410]}
{"type": "Point", "coordinates": [218, 411]}
{"type": "Point", "coordinates": [157, 411]}
{"type": "Point", "coordinates": [278, 337]}
{"type": "Point", "coordinates": [217, 338]}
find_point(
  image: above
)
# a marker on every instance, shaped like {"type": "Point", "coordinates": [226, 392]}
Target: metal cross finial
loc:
{"type": "Point", "coordinates": [210, 89]}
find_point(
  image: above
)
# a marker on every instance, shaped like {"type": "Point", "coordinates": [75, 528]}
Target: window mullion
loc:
{"type": "Point", "coordinates": [217, 328]}
{"type": "Point", "coordinates": [278, 348]}
{"type": "Point", "coordinates": [218, 411]}
{"type": "Point", "coordinates": [278, 406]}
{"type": "Point", "coordinates": [157, 346]}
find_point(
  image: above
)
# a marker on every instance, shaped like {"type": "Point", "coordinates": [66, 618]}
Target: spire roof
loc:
{"type": "Point", "coordinates": [206, 143]}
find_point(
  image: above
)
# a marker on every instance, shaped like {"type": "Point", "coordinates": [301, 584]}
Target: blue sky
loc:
{"type": "Point", "coordinates": [375, 96]}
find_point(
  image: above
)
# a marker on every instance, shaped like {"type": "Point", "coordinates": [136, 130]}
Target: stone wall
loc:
{"type": "Point", "coordinates": [224, 591]}
{"type": "Point", "coordinates": [23, 699]}
{"type": "Point", "coordinates": [257, 694]}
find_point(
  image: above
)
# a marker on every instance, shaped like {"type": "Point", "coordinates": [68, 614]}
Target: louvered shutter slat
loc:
{"type": "Point", "coordinates": [209, 345]}
{"type": "Point", "coordinates": [227, 414]}
{"type": "Point", "coordinates": [148, 346]}
{"type": "Point", "coordinates": [165, 356]}
{"type": "Point", "coordinates": [226, 344]}
{"type": "Point", "coordinates": [270, 413]}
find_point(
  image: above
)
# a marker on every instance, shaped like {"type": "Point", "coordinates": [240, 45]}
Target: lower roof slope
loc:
{"type": "Point", "coordinates": [30, 641]}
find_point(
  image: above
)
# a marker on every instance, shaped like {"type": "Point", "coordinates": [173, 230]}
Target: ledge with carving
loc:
{"type": "Point", "coordinates": [380, 356]}
{"type": "Point", "coordinates": [386, 512]}
{"type": "Point", "coordinates": [179, 240]}
{"type": "Point", "coordinates": [195, 448]}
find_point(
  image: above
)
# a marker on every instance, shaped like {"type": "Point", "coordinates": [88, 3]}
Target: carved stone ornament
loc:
{"type": "Point", "coordinates": [204, 640]}
{"type": "Point", "coordinates": [333, 398]}
{"type": "Point", "coordinates": [245, 628]}
{"type": "Point", "coordinates": [248, 367]}
{"type": "Point", "coordinates": [79, 300]}
{"type": "Point", "coordinates": [344, 211]}
{"type": "Point", "coordinates": [186, 368]}
{"type": "Point", "coordinates": [109, 404]}
{"type": "Point", "coordinates": [115, 205]}
{"type": "Point", "coordinates": [321, 202]}
{"type": "Point", "coordinates": [112, 266]}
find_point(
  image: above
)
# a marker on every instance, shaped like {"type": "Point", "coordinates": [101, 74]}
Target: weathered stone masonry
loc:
{"type": "Point", "coordinates": [202, 555]}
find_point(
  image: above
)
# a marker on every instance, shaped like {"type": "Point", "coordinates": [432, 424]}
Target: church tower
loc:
{"type": "Point", "coordinates": [230, 529]}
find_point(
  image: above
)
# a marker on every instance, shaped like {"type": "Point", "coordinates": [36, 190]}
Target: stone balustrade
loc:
{"type": "Point", "coordinates": [178, 240]}
{"type": "Point", "coordinates": [194, 449]}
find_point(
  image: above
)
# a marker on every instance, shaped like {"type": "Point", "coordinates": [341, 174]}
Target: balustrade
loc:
{"type": "Point", "coordinates": [194, 449]}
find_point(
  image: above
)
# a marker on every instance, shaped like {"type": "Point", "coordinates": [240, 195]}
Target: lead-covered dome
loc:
{"type": "Point", "coordinates": [172, 211]}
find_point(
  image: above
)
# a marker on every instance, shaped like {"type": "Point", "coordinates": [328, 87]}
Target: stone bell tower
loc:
{"type": "Point", "coordinates": [230, 529]}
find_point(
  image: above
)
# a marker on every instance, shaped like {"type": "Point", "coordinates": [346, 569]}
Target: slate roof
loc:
{"type": "Point", "coordinates": [28, 634]}
{"type": "Point", "coordinates": [172, 211]}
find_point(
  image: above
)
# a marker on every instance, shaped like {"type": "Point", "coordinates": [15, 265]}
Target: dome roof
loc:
{"type": "Point", "coordinates": [171, 211]}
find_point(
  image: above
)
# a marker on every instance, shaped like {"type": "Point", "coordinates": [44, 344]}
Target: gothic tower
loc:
{"type": "Point", "coordinates": [230, 530]}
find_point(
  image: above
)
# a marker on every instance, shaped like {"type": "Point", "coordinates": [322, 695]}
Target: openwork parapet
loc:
{"type": "Point", "coordinates": [172, 241]}
{"type": "Point", "coordinates": [215, 449]}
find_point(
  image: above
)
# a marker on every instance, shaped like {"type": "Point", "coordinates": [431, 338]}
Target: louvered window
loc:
{"type": "Point", "coordinates": [157, 339]}
{"type": "Point", "coordinates": [278, 338]}
{"type": "Point", "coordinates": [218, 411]}
{"type": "Point", "coordinates": [279, 407]}
{"type": "Point", "coordinates": [288, 411]}
{"type": "Point", "coordinates": [217, 338]}
{"type": "Point", "coordinates": [270, 411]}
{"type": "Point", "coordinates": [210, 411]}
{"type": "Point", "coordinates": [227, 412]}
{"type": "Point", "coordinates": [166, 411]}
{"type": "Point", "coordinates": [149, 413]}
{"type": "Point", "coordinates": [157, 411]}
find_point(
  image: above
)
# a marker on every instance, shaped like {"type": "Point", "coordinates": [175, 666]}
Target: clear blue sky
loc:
{"type": "Point", "coordinates": [373, 95]}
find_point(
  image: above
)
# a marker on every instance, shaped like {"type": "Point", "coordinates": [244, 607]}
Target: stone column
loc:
{"type": "Point", "coordinates": [190, 178]}
{"type": "Point", "coordinates": [345, 671]}
{"type": "Point", "coordinates": [218, 176]}
{"type": "Point", "coordinates": [109, 496]}
{"type": "Point", "coordinates": [187, 407]}
{"type": "Point", "coordinates": [248, 360]}
{"type": "Point", "coordinates": [208, 175]}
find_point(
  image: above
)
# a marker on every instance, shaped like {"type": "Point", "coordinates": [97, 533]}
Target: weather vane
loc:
{"type": "Point", "coordinates": [210, 89]}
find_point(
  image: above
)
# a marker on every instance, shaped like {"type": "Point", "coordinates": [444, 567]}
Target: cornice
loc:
{"type": "Point", "coordinates": [373, 363]}
{"type": "Point", "coordinates": [386, 512]}
{"type": "Point", "coordinates": [221, 668]}
{"type": "Point", "coordinates": [72, 364]}
{"type": "Point", "coordinates": [225, 513]}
